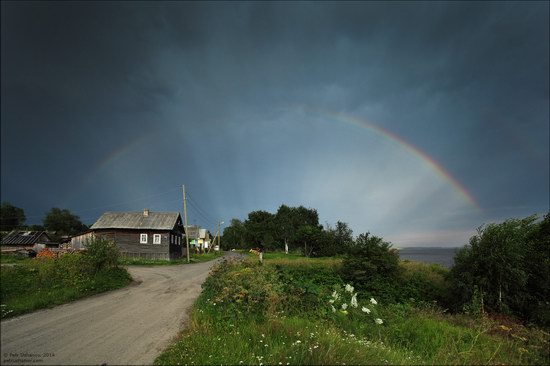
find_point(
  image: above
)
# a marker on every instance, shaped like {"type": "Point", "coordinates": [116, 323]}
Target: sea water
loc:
{"type": "Point", "coordinates": [439, 255]}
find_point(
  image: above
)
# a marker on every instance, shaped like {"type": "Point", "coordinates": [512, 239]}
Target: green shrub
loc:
{"type": "Point", "coordinates": [242, 288]}
{"type": "Point", "coordinates": [372, 267]}
{"type": "Point", "coordinates": [306, 282]}
{"type": "Point", "coordinates": [509, 265]}
{"type": "Point", "coordinates": [423, 283]}
{"type": "Point", "coordinates": [102, 253]}
{"type": "Point", "coordinates": [46, 282]}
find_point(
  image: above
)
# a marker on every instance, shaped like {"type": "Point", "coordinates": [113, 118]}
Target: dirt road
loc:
{"type": "Point", "coordinates": [130, 326]}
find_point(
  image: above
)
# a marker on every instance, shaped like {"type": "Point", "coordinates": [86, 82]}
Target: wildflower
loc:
{"type": "Point", "coordinates": [349, 288]}
{"type": "Point", "coordinates": [364, 309]}
{"type": "Point", "coordinates": [331, 301]}
{"type": "Point", "coordinates": [344, 306]}
{"type": "Point", "coordinates": [373, 301]}
{"type": "Point", "coordinates": [354, 301]}
{"type": "Point", "coordinates": [378, 321]}
{"type": "Point", "coordinates": [335, 295]}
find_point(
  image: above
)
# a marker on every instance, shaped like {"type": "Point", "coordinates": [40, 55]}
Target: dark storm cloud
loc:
{"type": "Point", "coordinates": [466, 82]}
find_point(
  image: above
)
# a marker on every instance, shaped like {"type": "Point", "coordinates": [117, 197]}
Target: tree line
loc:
{"type": "Point", "coordinates": [291, 229]}
{"type": "Point", "coordinates": [505, 267]}
{"type": "Point", "coordinates": [57, 222]}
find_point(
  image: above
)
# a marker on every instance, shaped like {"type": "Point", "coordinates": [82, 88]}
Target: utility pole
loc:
{"type": "Point", "coordinates": [185, 218]}
{"type": "Point", "coordinates": [219, 233]}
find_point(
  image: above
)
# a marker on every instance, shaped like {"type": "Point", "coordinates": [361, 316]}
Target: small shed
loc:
{"type": "Point", "coordinates": [27, 240]}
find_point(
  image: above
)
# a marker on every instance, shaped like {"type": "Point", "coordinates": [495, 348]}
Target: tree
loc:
{"type": "Point", "coordinates": [312, 238]}
{"type": "Point", "coordinates": [283, 226]}
{"type": "Point", "coordinates": [288, 221]}
{"type": "Point", "coordinates": [339, 240]}
{"type": "Point", "coordinates": [372, 265]}
{"type": "Point", "coordinates": [62, 222]}
{"type": "Point", "coordinates": [234, 235]}
{"type": "Point", "coordinates": [36, 227]}
{"type": "Point", "coordinates": [11, 217]}
{"type": "Point", "coordinates": [259, 229]}
{"type": "Point", "coordinates": [537, 266]}
{"type": "Point", "coordinates": [507, 264]}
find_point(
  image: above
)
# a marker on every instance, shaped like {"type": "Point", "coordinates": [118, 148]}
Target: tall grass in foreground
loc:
{"type": "Point", "coordinates": [280, 313]}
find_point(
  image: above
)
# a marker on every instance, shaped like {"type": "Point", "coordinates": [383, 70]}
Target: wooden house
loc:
{"type": "Point", "coordinates": [79, 241]}
{"type": "Point", "coordinates": [150, 235]}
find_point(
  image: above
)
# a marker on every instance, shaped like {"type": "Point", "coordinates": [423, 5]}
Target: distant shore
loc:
{"type": "Point", "coordinates": [438, 255]}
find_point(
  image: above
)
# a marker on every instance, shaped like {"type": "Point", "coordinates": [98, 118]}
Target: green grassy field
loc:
{"type": "Point", "coordinates": [194, 258]}
{"type": "Point", "coordinates": [280, 313]}
{"type": "Point", "coordinates": [14, 259]}
{"type": "Point", "coordinates": [28, 284]}
{"type": "Point", "coordinates": [42, 283]}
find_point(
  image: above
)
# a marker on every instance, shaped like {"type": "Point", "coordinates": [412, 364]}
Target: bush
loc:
{"type": "Point", "coordinates": [45, 282]}
{"type": "Point", "coordinates": [423, 283]}
{"type": "Point", "coordinates": [241, 289]}
{"type": "Point", "coordinates": [306, 283]}
{"type": "Point", "coordinates": [507, 266]}
{"type": "Point", "coordinates": [102, 253]}
{"type": "Point", "coordinates": [372, 267]}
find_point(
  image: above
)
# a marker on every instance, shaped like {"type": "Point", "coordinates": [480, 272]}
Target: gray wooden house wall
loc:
{"type": "Point", "coordinates": [128, 242]}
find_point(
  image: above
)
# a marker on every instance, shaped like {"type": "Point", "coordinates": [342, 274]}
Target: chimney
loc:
{"type": "Point", "coordinates": [145, 212]}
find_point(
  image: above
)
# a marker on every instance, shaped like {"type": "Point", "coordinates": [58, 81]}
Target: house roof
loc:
{"type": "Point", "coordinates": [137, 220]}
{"type": "Point", "coordinates": [25, 238]}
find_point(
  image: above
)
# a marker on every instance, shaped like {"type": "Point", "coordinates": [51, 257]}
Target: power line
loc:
{"type": "Point", "coordinates": [201, 214]}
{"type": "Point", "coordinates": [203, 211]}
{"type": "Point", "coordinates": [208, 221]}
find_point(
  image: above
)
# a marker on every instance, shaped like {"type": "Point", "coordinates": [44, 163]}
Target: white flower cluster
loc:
{"type": "Point", "coordinates": [344, 307]}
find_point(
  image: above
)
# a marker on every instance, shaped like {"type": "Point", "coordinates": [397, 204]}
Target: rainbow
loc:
{"type": "Point", "coordinates": [413, 150]}
{"type": "Point", "coordinates": [113, 156]}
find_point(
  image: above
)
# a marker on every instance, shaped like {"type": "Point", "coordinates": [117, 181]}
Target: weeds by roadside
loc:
{"type": "Point", "coordinates": [46, 282]}
{"type": "Point", "coordinates": [194, 258]}
{"type": "Point", "coordinates": [280, 313]}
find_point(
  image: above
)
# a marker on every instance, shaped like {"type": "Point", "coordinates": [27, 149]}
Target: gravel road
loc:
{"type": "Point", "coordinates": [129, 326]}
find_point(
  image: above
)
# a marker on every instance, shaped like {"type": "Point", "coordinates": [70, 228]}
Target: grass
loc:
{"type": "Point", "coordinates": [14, 259]}
{"type": "Point", "coordinates": [269, 256]}
{"type": "Point", "coordinates": [278, 313]}
{"type": "Point", "coordinates": [44, 283]}
{"type": "Point", "coordinates": [32, 284]}
{"type": "Point", "coordinates": [194, 258]}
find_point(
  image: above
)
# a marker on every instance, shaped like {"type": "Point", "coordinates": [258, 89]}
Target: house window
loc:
{"type": "Point", "coordinates": [171, 239]}
{"type": "Point", "coordinates": [179, 240]}
{"type": "Point", "coordinates": [143, 238]}
{"type": "Point", "coordinates": [156, 238]}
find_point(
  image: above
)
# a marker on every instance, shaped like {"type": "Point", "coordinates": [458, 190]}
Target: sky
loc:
{"type": "Point", "coordinates": [414, 121]}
